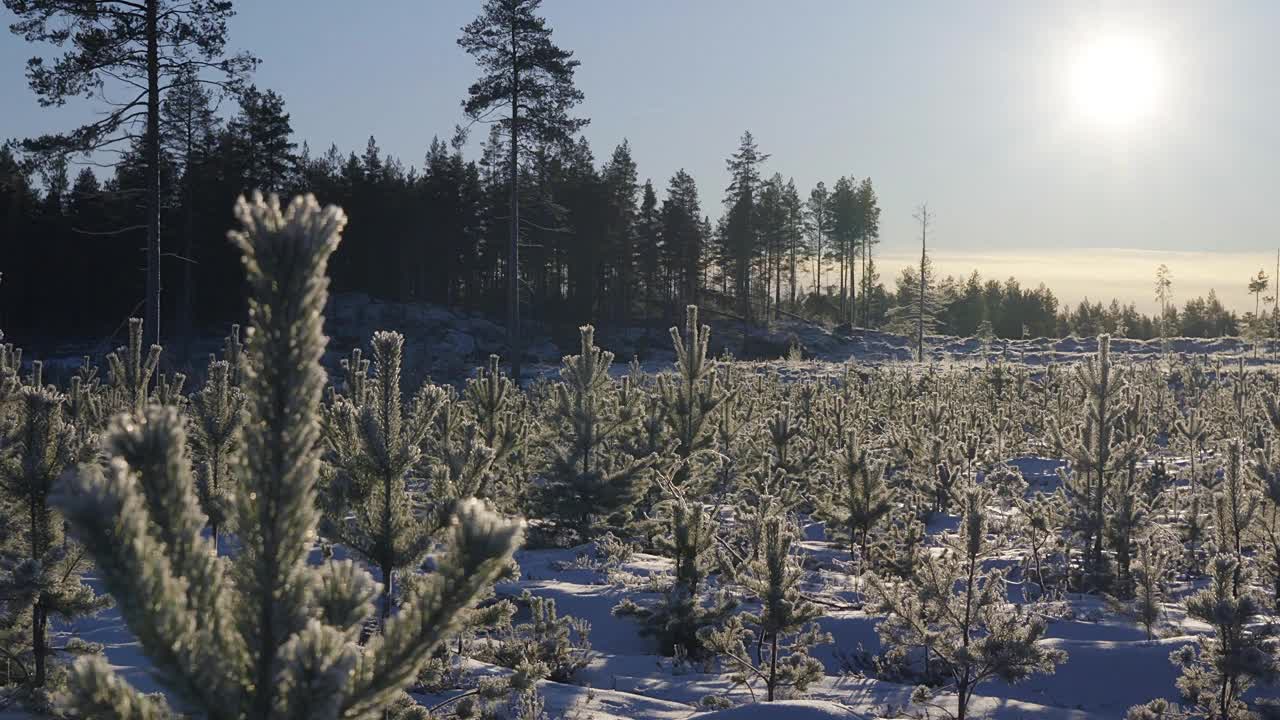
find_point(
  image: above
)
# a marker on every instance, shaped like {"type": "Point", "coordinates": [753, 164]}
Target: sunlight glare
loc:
{"type": "Point", "coordinates": [1115, 81]}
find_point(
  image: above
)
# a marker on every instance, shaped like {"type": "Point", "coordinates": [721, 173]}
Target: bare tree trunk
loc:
{"type": "Point", "coordinates": [513, 250]}
{"type": "Point", "coordinates": [152, 151]}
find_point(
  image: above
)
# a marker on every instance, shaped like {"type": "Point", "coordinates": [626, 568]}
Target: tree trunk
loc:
{"type": "Point", "coordinates": [152, 162]}
{"type": "Point", "coordinates": [513, 250]}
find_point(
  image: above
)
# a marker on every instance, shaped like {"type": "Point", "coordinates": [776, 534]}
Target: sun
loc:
{"type": "Point", "coordinates": [1116, 81]}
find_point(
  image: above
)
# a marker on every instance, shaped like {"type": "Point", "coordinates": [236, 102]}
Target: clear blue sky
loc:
{"type": "Point", "coordinates": [975, 107]}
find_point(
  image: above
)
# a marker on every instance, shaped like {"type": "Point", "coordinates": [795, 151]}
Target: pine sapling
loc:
{"type": "Point", "coordinates": [859, 498]}
{"type": "Point", "coordinates": [375, 443]}
{"type": "Point", "coordinates": [1219, 668]}
{"type": "Point", "coordinates": [958, 608]}
{"type": "Point", "coordinates": [217, 414]}
{"type": "Point", "coordinates": [40, 572]}
{"type": "Point", "coordinates": [265, 635]}
{"type": "Point", "coordinates": [772, 646]}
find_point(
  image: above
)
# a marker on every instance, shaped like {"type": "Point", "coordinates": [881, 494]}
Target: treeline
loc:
{"type": "Point", "coordinates": [599, 245]}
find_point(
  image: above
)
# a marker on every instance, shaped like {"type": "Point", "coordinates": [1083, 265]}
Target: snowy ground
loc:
{"type": "Point", "coordinates": [1111, 665]}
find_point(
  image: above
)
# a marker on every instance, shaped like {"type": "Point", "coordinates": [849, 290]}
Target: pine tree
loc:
{"type": "Point", "coordinates": [375, 443]}
{"type": "Point", "coordinates": [1219, 668]}
{"type": "Point", "coordinates": [531, 80]}
{"type": "Point", "coordinates": [40, 572]}
{"type": "Point", "coordinates": [265, 635]}
{"type": "Point", "coordinates": [686, 532]}
{"type": "Point", "coordinates": [690, 398]}
{"type": "Point", "coordinates": [493, 400]}
{"type": "Point", "coordinates": [1095, 449]}
{"type": "Point", "coordinates": [956, 607]}
{"type": "Point", "coordinates": [592, 481]}
{"type": "Point", "coordinates": [783, 632]}
{"type": "Point", "coordinates": [1235, 506]}
{"type": "Point", "coordinates": [1149, 575]}
{"type": "Point", "coordinates": [217, 415]}
{"type": "Point", "coordinates": [858, 498]}
{"type": "Point", "coordinates": [1265, 533]}
{"type": "Point", "coordinates": [143, 45]}
{"type": "Point", "coordinates": [129, 373]}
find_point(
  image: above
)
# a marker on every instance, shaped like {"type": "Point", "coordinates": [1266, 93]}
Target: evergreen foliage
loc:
{"type": "Point", "coordinates": [264, 635]}
{"type": "Point", "coordinates": [374, 443]}
{"type": "Point", "coordinates": [957, 610]}
{"type": "Point", "coordinates": [593, 482]}
{"type": "Point", "coordinates": [781, 634]}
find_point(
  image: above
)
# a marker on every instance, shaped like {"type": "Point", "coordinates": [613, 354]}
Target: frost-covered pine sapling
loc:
{"type": "Point", "coordinates": [1193, 530]}
{"type": "Point", "coordinates": [685, 532]}
{"type": "Point", "coordinates": [461, 462]}
{"type": "Point", "coordinates": [215, 419]}
{"type": "Point", "coordinates": [792, 451]}
{"type": "Point", "coordinates": [265, 635]}
{"type": "Point", "coordinates": [493, 399]}
{"type": "Point", "coordinates": [1040, 525]}
{"type": "Point", "coordinates": [1095, 451]}
{"type": "Point", "coordinates": [859, 498]}
{"type": "Point", "coordinates": [959, 609]}
{"type": "Point", "coordinates": [1148, 573]}
{"type": "Point", "coordinates": [1265, 532]}
{"type": "Point", "coordinates": [40, 570]}
{"type": "Point", "coordinates": [129, 372]}
{"type": "Point", "coordinates": [372, 512]}
{"type": "Point", "coordinates": [592, 481]}
{"type": "Point", "coordinates": [558, 643]}
{"type": "Point", "coordinates": [1219, 668]}
{"type": "Point", "coordinates": [1235, 504]}
{"type": "Point", "coordinates": [691, 398]}
{"type": "Point", "coordinates": [1192, 433]}
{"type": "Point", "coordinates": [772, 646]}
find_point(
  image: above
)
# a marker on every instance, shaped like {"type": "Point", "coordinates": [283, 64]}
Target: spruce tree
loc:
{"type": "Point", "coordinates": [782, 633]}
{"type": "Point", "coordinates": [375, 443]}
{"type": "Point", "coordinates": [265, 635]}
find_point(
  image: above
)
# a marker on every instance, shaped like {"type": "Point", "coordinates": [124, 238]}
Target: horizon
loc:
{"type": "Point", "coordinates": [989, 127]}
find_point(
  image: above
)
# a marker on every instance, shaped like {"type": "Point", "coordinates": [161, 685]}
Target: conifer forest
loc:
{"type": "Point", "coordinates": [288, 434]}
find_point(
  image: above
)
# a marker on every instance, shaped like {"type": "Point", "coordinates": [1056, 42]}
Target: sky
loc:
{"type": "Point", "coordinates": [1076, 143]}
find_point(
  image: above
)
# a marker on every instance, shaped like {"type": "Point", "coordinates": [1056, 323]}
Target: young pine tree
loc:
{"type": "Point", "coordinates": [859, 498]}
{"type": "Point", "coordinates": [781, 634]}
{"type": "Point", "coordinates": [593, 481]}
{"type": "Point", "coordinates": [217, 414]}
{"type": "Point", "coordinates": [374, 444]}
{"type": "Point", "coordinates": [1220, 667]}
{"type": "Point", "coordinates": [690, 399]}
{"type": "Point", "coordinates": [959, 609]}
{"type": "Point", "coordinates": [1096, 452]}
{"type": "Point", "coordinates": [686, 532]}
{"type": "Point", "coordinates": [40, 570]}
{"type": "Point", "coordinates": [265, 635]}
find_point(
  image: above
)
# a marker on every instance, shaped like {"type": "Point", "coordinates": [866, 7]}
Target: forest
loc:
{"type": "Point", "coordinates": [304, 527]}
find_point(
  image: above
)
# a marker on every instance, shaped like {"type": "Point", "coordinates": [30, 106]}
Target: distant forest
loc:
{"type": "Point", "coordinates": [596, 243]}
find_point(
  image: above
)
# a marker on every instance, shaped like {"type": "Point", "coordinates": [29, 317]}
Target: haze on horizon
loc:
{"type": "Point", "coordinates": [1038, 132]}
